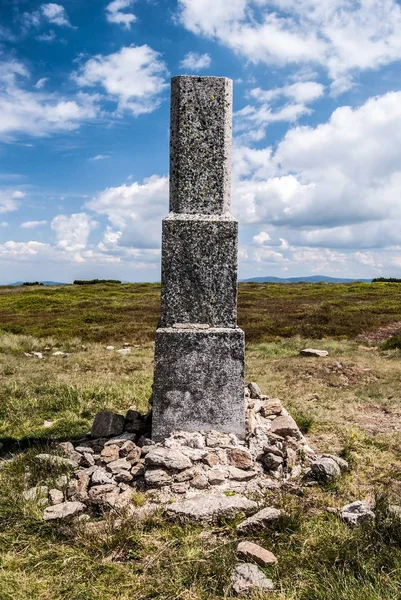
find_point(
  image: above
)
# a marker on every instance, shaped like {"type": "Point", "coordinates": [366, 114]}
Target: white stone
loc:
{"type": "Point", "coordinates": [248, 578]}
{"type": "Point", "coordinates": [313, 352]}
{"type": "Point", "coordinates": [168, 458]}
{"type": "Point", "coordinates": [63, 510]}
{"type": "Point", "coordinates": [259, 520]}
{"type": "Point", "coordinates": [208, 507]}
{"type": "Point", "coordinates": [356, 513]}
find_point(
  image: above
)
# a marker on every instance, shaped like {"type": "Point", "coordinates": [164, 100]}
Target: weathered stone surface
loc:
{"type": "Point", "coordinates": [313, 352]}
{"type": "Point", "coordinates": [216, 439]}
{"type": "Point", "coordinates": [285, 426]}
{"type": "Point", "coordinates": [119, 465]}
{"type": "Point", "coordinates": [248, 578]}
{"type": "Point", "coordinates": [134, 422]}
{"type": "Point", "coordinates": [208, 507]}
{"type": "Point", "coordinates": [240, 458]}
{"type": "Point", "coordinates": [38, 493]}
{"type": "Point", "coordinates": [104, 494]}
{"type": "Point", "coordinates": [259, 520]}
{"type": "Point", "coordinates": [157, 477]}
{"type": "Point", "coordinates": [199, 380]}
{"type": "Point", "coordinates": [168, 458]}
{"type": "Point", "coordinates": [217, 476]}
{"type": "Point", "coordinates": [100, 477]}
{"type": "Point", "coordinates": [254, 390]}
{"type": "Point", "coordinates": [106, 424]}
{"type": "Point", "coordinates": [200, 481]}
{"type": "Point", "coordinates": [325, 470]}
{"type": "Point", "coordinates": [271, 406]}
{"type": "Point", "coordinates": [272, 461]}
{"type": "Point", "coordinates": [56, 496]}
{"type": "Point", "coordinates": [251, 551]}
{"type": "Point", "coordinates": [356, 513]}
{"type": "Point", "coordinates": [199, 286]}
{"type": "Point", "coordinates": [121, 439]}
{"type": "Point", "coordinates": [63, 510]}
{"type": "Point", "coordinates": [194, 454]}
{"type": "Point", "coordinates": [344, 466]}
{"type": "Point", "coordinates": [200, 145]}
{"type": "Point", "coordinates": [240, 474]}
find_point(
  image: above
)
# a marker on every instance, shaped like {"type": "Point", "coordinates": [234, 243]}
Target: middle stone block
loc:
{"type": "Point", "coordinates": [199, 270]}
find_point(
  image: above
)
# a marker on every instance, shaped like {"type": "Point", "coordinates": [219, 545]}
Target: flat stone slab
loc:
{"type": "Point", "coordinates": [259, 520]}
{"type": "Point", "coordinates": [209, 507]}
{"type": "Point", "coordinates": [63, 510]}
{"type": "Point", "coordinates": [248, 578]}
{"type": "Point", "coordinates": [313, 352]}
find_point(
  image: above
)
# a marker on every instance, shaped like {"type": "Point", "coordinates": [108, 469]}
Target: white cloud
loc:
{"type": "Point", "coordinates": [9, 200]}
{"type": "Point", "coordinates": [341, 36]}
{"type": "Point", "coordinates": [47, 37]}
{"type": "Point", "coordinates": [135, 211]}
{"type": "Point", "coordinates": [35, 112]}
{"type": "Point", "coordinates": [261, 238]}
{"type": "Point", "coordinates": [32, 224]}
{"type": "Point", "coordinates": [72, 233]}
{"type": "Point", "coordinates": [301, 91]}
{"type": "Point", "coordinates": [195, 62]}
{"type": "Point", "coordinates": [335, 185]}
{"type": "Point", "coordinates": [115, 13]}
{"type": "Point", "coordinates": [55, 13]}
{"type": "Point", "coordinates": [41, 83]}
{"type": "Point", "coordinates": [135, 76]}
{"type": "Point", "coordinates": [100, 157]}
{"type": "Point", "coordinates": [3, 224]}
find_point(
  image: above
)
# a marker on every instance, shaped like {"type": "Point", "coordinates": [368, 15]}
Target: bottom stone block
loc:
{"type": "Point", "coordinates": [198, 380]}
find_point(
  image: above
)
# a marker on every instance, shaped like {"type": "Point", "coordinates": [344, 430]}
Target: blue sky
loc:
{"type": "Point", "coordinates": [84, 118]}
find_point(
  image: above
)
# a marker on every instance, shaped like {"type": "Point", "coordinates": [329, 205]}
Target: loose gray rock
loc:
{"type": "Point", "coordinates": [272, 461]}
{"type": "Point", "coordinates": [56, 496]}
{"type": "Point", "coordinates": [240, 458]}
{"type": "Point", "coordinates": [324, 470]}
{"type": "Point", "coordinates": [254, 390]}
{"type": "Point", "coordinates": [344, 466]}
{"type": "Point", "coordinates": [217, 476]}
{"type": "Point", "coordinates": [356, 513]}
{"type": "Point", "coordinates": [63, 510]}
{"type": "Point", "coordinates": [240, 474]}
{"type": "Point", "coordinates": [119, 465]}
{"type": "Point", "coordinates": [38, 493]}
{"type": "Point", "coordinates": [259, 520]}
{"type": "Point", "coordinates": [209, 507]}
{"type": "Point", "coordinates": [168, 458]}
{"type": "Point", "coordinates": [251, 551]}
{"type": "Point", "coordinates": [124, 351]}
{"type": "Point", "coordinates": [157, 477]}
{"type": "Point", "coordinates": [106, 424]}
{"type": "Point", "coordinates": [101, 477]}
{"type": "Point", "coordinates": [285, 426]}
{"type": "Point", "coordinates": [313, 352]}
{"type": "Point", "coordinates": [271, 406]}
{"type": "Point", "coordinates": [200, 481]}
{"type": "Point", "coordinates": [121, 439]}
{"type": "Point", "coordinates": [248, 578]}
{"type": "Point", "coordinates": [215, 439]}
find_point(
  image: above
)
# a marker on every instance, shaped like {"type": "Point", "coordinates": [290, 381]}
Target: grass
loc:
{"type": "Point", "coordinates": [119, 312]}
{"type": "Point", "coordinates": [348, 403]}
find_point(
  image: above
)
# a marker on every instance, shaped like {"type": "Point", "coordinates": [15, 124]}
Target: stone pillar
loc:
{"type": "Point", "coordinates": [199, 350]}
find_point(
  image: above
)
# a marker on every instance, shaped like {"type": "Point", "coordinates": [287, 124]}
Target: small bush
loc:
{"type": "Point", "coordinates": [393, 343]}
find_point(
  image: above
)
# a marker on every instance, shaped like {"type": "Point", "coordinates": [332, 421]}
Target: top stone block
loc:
{"type": "Point", "coordinates": [200, 145]}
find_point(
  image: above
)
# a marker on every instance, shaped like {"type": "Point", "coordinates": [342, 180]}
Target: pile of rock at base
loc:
{"type": "Point", "coordinates": [119, 460]}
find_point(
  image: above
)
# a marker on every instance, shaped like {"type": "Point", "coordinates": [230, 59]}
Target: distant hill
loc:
{"type": "Point", "coordinates": [312, 279]}
{"type": "Point", "coordinates": [16, 283]}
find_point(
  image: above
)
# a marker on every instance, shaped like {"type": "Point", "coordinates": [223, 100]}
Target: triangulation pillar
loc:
{"type": "Point", "coordinates": [199, 350]}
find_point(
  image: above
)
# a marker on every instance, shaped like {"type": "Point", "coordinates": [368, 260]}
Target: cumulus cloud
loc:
{"type": "Point", "coordinates": [335, 185]}
{"type": "Point", "coordinates": [195, 62]}
{"type": "Point", "coordinates": [72, 233]}
{"type": "Point", "coordinates": [341, 37]}
{"type": "Point", "coordinates": [134, 76]}
{"type": "Point", "coordinates": [34, 112]}
{"type": "Point", "coordinates": [134, 211]}
{"type": "Point", "coordinates": [9, 200]}
{"type": "Point", "coordinates": [32, 224]}
{"type": "Point", "coordinates": [56, 14]}
{"type": "Point", "coordinates": [115, 13]}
